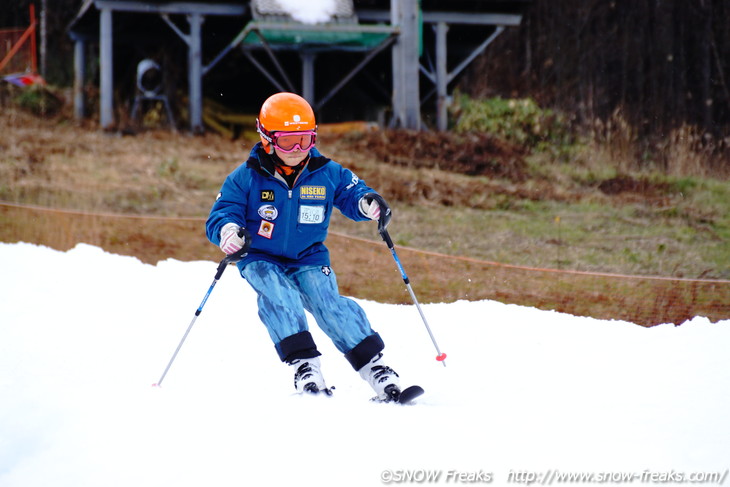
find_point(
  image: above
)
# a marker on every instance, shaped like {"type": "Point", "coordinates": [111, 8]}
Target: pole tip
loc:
{"type": "Point", "coordinates": [155, 385]}
{"type": "Point", "coordinates": [441, 357]}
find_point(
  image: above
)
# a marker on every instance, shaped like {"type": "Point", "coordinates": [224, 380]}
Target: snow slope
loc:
{"type": "Point", "coordinates": [84, 333]}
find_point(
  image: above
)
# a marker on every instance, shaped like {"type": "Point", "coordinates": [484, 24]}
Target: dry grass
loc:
{"type": "Point", "coordinates": [684, 152]}
{"type": "Point", "coordinates": [62, 165]}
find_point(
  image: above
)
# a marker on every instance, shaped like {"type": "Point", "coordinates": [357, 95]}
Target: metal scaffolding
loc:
{"type": "Point", "coordinates": [398, 29]}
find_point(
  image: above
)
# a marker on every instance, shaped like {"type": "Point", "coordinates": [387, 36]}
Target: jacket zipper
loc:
{"type": "Point", "coordinates": [291, 223]}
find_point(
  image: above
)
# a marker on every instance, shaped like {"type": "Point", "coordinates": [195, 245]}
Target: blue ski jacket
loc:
{"type": "Point", "coordinates": [288, 226]}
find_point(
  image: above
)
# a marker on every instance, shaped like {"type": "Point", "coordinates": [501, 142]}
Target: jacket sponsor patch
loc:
{"type": "Point", "coordinates": [313, 193]}
{"type": "Point", "coordinates": [268, 212]}
{"type": "Point", "coordinates": [267, 195]}
{"type": "Point", "coordinates": [266, 229]}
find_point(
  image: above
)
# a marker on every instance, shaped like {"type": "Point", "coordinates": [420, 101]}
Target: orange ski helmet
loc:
{"type": "Point", "coordinates": [284, 112]}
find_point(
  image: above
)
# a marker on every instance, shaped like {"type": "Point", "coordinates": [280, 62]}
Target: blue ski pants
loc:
{"type": "Point", "coordinates": [283, 295]}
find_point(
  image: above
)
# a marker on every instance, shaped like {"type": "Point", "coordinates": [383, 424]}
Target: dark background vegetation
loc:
{"type": "Point", "coordinates": [661, 63]}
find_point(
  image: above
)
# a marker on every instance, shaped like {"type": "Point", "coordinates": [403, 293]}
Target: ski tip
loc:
{"type": "Point", "coordinates": [409, 394]}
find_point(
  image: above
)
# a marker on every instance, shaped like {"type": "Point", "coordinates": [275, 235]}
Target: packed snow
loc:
{"type": "Point", "coordinates": [526, 396]}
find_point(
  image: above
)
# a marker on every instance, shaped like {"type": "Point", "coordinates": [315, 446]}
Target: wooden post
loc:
{"type": "Point", "coordinates": [406, 93]}
{"type": "Point", "coordinates": [308, 58]}
{"type": "Point", "coordinates": [442, 75]}
{"type": "Point", "coordinates": [195, 73]}
{"type": "Point", "coordinates": [106, 62]}
{"type": "Point", "coordinates": [79, 78]}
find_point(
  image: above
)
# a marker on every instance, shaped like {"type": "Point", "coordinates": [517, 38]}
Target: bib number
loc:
{"type": "Point", "coordinates": [311, 214]}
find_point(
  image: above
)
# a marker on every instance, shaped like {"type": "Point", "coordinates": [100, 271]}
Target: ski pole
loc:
{"type": "Point", "coordinates": [228, 259]}
{"type": "Point", "coordinates": [441, 357]}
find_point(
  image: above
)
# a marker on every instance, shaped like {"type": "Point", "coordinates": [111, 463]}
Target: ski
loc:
{"type": "Point", "coordinates": [313, 391]}
{"type": "Point", "coordinates": [406, 396]}
{"type": "Point", "coordinates": [329, 392]}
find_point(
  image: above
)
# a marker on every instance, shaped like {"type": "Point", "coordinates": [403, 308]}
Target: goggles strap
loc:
{"type": "Point", "coordinates": [264, 133]}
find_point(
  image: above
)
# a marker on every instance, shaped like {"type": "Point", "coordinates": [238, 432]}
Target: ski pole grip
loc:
{"type": "Point", "coordinates": [386, 238]}
{"type": "Point", "coordinates": [385, 211]}
{"type": "Point", "coordinates": [233, 258]}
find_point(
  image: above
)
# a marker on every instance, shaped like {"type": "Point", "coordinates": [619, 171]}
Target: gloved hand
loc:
{"type": "Point", "coordinates": [373, 206]}
{"type": "Point", "coordinates": [230, 241]}
{"type": "Point", "coordinates": [370, 208]}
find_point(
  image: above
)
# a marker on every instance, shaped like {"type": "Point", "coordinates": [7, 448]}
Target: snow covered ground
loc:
{"type": "Point", "coordinates": [527, 395]}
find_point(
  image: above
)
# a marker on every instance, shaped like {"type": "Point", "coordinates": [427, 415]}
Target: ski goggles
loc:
{"type": "Point", "coordinates": [290, 141]}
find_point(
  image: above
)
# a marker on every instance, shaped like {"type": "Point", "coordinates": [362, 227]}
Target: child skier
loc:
{"type": "Point", "coordinates": [284, 196]}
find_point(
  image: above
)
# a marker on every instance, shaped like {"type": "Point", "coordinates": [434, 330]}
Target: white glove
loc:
{"type": "Point", "coordinates": [230, 241]}
{"type": "Point", "coordinates": [370, 209]}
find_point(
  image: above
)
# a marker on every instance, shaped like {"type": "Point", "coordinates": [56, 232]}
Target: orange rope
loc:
{"type": "Point", "coordinates": [107, 215]}
{"type": "Point", "coordinates": [371, 242]}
